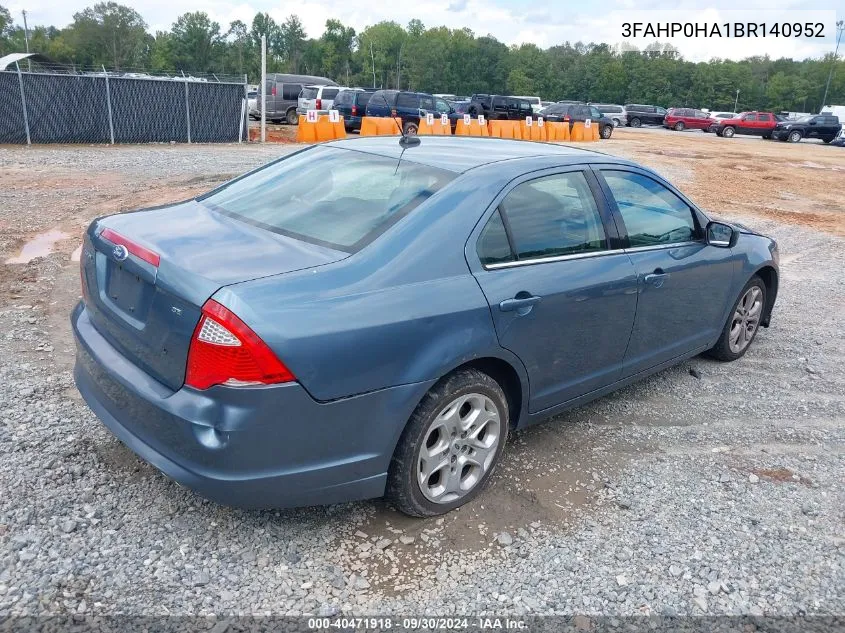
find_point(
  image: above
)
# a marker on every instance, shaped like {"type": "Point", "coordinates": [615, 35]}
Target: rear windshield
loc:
{"type": "Point", "coordinates": [338, 198]}
{"type": "Point", "coordinates": [364, 98]}
{"type": "Point", "coordinates": [308, 93]}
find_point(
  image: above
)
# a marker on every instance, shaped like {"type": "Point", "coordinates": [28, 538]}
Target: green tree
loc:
{"type": "Point", "coordinates": [292, 35]}
{"type": "Point", "coordinates": [196, 42]}
{"type": "Point", "coordinates": [110, 34]}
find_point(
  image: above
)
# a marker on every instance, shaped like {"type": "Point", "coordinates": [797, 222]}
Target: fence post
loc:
{"type": "Point", "coordinates": [23, 104]}
{"type": "Point", "coordinates": [241, 127]}
{"type": "Point", "coordinates": [187, 108]}
{"type": "Point", "coordinates": [108, 104]}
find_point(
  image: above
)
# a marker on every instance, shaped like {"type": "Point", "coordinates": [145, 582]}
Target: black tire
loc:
{"type": "Point", "coordinates": [606, 132]}
{"type": "Point", "coordinates": [616, 122]}
{"type": "Point", "coordinates": [679, 126]}
{"type": "Point", "coordinates": [403, 491]}
{"type": "Point", "coordinates": [722, 349]}
{"type": "Point", "coordinates": [827, 139]}
{"type": "Point", "coordinates": [635, 122]}
{"type": "Point", "coordinates": [292, 117]}
{"type": "Point", "coordinates": [794, 136]}
{"type": "Point", "coordinates": [410, 128]}
{"type": "Point", "coordinates": [767, 137]}
{"type": "Point", "coordinates": [728, 132]}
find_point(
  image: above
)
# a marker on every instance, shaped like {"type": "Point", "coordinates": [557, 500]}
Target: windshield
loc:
{"type": "Point", "coordinates": [333, 197]}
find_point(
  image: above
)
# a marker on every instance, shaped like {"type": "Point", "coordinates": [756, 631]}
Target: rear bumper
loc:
{"type": "Point", "coordinates": [256, 447]}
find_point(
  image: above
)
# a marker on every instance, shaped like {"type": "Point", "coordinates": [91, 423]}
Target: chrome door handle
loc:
{"type": "Point", "coordinates": [656, 279]}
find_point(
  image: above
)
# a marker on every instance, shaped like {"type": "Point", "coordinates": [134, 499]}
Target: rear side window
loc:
{"type": "Point", "coordinates": [329, 93]}
{"type": "Point", "coordinates": [493, 246]}
{"type": "Point", "coordinates": [308, 93]}
{"type": "Point", "coordinates": [553, 216]}
{"type": "Point", "coordinates": [406, 100]}
{"type": "Point", "coordinates": [333, 197]}
{"type": "Point", "coordinates": [653, 215]}
{"type": "Point", "coordinates": [291, 91]}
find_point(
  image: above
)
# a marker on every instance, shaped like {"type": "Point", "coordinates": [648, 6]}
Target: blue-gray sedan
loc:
{"type": "Point", "coordinates": [352, 321]}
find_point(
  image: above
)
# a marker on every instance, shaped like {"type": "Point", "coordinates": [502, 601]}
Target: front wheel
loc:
{"type": "Point", "coordinates": [679, 126]}
{"type": "Point", "coordinates": [606, 132]}
{"type": "Point", "coordinates": [794, 137]}
{"type": "Point", "coordinates": [450, 446]}
{"type": "Point", "coordinates": [635, 122]}
{"type": "Point", "coordinates": [410, 129]}
{"type": "Point", "coordinates": [728, 132]}
{"type": "Point", "coordinates": [743, 324]}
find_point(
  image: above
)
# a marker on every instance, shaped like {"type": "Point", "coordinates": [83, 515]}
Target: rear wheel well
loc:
{"type": "Point", "coordinates": [770, 279]}
{"type": "Point", "coordinates": [503, 373]}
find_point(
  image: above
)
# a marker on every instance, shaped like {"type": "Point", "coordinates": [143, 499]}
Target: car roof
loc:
{"type": "Point", "coordinates": [465, 153]}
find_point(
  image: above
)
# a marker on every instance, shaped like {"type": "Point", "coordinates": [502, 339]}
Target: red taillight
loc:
{"type": "Point", "coordinates": [319, 104]}
{"type": "Point", "coordinates": [134, 248]}
{"type": "Point", "coordinates": [566, 118]}
{"type": "Point", "coordinates": [225, 351]}
{"type": "Point", "coordinates": [354, 110]}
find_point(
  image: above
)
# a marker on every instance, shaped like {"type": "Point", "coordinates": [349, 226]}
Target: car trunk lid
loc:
{"type": "Point", "coordinates": [147, 274]}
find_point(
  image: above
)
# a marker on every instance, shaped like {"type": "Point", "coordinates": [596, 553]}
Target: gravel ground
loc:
{"type": "Point", "coordinates": [707, 489]}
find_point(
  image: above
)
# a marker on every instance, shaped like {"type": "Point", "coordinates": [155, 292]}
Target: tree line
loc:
{"type": "Point", "coordinates": [428, 59]}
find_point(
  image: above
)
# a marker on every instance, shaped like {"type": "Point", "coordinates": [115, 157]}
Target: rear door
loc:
{"type": "Point", "coordinates": [683, 283]}
{"type": "Point", "coordinates": [562, 297]}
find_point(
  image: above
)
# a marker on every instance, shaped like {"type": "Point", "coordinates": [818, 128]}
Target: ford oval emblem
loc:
{"type": "Point", "coordinates": [120, 252]}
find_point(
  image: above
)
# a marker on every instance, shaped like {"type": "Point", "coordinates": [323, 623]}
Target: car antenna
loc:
{"type": "Point", "coordinates": [406, 141]}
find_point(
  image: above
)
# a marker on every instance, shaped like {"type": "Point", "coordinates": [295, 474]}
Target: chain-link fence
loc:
{"type": "Point", "coordinates": [98, 108]}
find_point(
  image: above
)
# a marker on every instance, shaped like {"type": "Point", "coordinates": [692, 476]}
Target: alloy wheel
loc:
{"type": "Point", "coordinates": [459, 447]}
{"type": "Point", "coordinates": [746, 319]}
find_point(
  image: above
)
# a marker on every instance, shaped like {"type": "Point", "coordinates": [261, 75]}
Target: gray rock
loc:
{"type": "Point", "coordinates": [504, 539]}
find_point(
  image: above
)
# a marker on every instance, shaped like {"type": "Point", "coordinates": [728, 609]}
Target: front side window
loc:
{"type": "Point", "coordinates": [338, 198]}
{"type": "Point", "coordinates": [553, 216]}
{"type": "Point", "coordinates": [653, 215]}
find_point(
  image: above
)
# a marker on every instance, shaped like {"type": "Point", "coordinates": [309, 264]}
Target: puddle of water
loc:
{"type": "Point", "coordinates": [39, 246]}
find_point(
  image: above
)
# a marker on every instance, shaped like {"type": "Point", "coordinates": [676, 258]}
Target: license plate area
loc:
{"type": "Point", "coordinates": [127, 291]}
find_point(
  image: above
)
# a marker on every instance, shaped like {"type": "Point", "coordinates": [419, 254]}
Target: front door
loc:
{"type": "Point", "coordinates": [561, 299]}
{"type": "Point", "coordinates": [684, 283]}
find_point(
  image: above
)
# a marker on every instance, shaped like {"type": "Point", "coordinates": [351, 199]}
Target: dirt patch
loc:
{"type": "Point", "coordinates": [781, 475]}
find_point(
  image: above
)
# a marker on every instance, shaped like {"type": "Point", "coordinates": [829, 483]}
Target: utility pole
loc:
{"type": "Point", "coordinates": [736, 101]}
{"type": "Point", "coordinates": [263, 88]}
{"type": "Point", "coordinates": [373, 59]}
{"type": "Point", "coordinates": [26, 40]}
{"type": "Point", "coordinates": [840, 27]}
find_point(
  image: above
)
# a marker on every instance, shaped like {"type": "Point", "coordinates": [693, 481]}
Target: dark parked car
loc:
{"type": "Point", "coordinates": [350, 321]}
{"type": "Point", "coordinates": [352, 105]}
{"type": "Point", "coordinates": [283, 95]}
{"type": "Point", "coordinates": [821, 126]}
{"type": "Point", "coordinates": [687, 118]}
{"type": "Point", "coordinates": [573, 112]}
{"type": "Point", "coordinates": [409, 106]}
{"type": "Point", "coordinates": [749, 123]}
{"type": "Point", "coordinates": [639, 114]}
{"type": "Point", "coordinates": [502, 107]}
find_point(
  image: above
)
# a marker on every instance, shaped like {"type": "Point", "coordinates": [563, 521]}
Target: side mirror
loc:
{"type": "Point", "coordinates": [721, 234]}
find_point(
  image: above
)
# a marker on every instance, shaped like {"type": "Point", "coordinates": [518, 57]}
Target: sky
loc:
{"type": "Point", "coordinates": [542, 22]}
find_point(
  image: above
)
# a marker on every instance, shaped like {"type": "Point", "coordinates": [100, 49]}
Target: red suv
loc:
{"type": "Point", "coordinates": [756, 123]}
{"type": "Point", "coordinates": [682, 118]}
